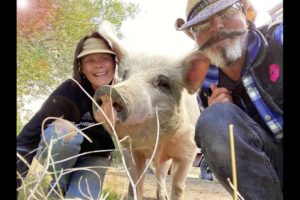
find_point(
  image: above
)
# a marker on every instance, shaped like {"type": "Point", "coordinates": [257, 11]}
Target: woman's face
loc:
{"type": "Point", "coordinates": [99, 68]}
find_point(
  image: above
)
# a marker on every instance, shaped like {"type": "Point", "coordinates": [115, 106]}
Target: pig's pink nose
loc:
{"type": "Point", "coordinates": [115, 100]}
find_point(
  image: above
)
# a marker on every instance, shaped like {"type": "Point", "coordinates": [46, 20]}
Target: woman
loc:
{"type": "Point", "coordinates": [94, 66]}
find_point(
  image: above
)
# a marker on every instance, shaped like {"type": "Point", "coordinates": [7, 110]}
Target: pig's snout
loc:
{"type": "Point", "coordinates": [109, 99]}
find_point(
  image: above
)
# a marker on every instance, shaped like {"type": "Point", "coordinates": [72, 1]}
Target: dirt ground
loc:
{"type": "Point", "coordinates": [196, 189]}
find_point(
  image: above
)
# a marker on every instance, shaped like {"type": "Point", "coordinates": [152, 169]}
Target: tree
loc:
{"type": "Point", "coordinates": [47, 34]}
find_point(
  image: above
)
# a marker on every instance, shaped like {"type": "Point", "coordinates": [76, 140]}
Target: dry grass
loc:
{"type": "Point", "coordinates": [34, 186]}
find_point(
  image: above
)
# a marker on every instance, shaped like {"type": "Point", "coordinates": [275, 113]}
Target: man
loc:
{"type": "Point", "coordinates": [241, 72]}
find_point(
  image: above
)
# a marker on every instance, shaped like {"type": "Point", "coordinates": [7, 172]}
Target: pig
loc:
{"type": "Point", "coordinates": [147, 87]}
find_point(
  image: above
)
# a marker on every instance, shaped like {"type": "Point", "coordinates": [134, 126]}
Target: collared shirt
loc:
{"type": "Point", "coordinates": [272, 119]}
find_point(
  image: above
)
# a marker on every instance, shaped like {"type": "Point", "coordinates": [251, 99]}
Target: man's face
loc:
{"type": "Point", "coordinates": [223, 37]}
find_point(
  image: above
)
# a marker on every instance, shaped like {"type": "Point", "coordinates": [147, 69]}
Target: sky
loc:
{"type": "Point", "coordinates": [153, 29]}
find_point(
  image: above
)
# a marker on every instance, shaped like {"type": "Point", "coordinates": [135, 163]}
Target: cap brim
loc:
{"type": "Point", "coordinates": [178, 23]}
{"type": "Point", "coordinates": [84, 53]}
{"type": "Point", "coordinates": [207, 12]}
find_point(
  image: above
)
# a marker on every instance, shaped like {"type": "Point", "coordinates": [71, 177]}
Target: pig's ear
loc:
{"type": "Point", "coordinates": [195, 67]}
{"type": "Point", "coordinates": [108, 31]}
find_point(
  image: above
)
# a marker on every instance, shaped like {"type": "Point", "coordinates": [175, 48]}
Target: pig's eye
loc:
{"type": "Point", "coordinates": [125, 75]}
{"type": "Point", "coordinates": [163, 83]}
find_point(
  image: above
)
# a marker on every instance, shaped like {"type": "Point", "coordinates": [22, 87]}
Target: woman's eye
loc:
{"type": "Point", "coordinates": [88, 61]}
{"type": "Point", "coordinates": [104, 59]}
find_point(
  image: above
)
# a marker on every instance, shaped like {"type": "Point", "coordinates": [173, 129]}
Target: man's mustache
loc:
{"type": "Point", "coordinates": [220, 36]}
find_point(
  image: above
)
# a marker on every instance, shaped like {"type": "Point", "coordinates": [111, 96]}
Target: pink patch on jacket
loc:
{"type": "Point", "coordinates": [274, 72]}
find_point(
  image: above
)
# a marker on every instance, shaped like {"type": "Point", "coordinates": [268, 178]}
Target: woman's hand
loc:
{"type": "Point", "coordinates": [65, 129]}
{"type": "Point", "coordinates": [219, 95]}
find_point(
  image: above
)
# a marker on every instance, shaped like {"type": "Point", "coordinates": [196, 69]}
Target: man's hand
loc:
{"type": "Point", "coordinates": [219, 95]}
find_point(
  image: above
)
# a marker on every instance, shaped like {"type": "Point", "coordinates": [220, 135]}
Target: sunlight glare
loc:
{"type": "Point", "coordinates": [22, 4]}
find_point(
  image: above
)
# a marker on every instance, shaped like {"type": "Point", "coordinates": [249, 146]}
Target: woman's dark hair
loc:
{"type": "Point", "coordinates": [77, 73]}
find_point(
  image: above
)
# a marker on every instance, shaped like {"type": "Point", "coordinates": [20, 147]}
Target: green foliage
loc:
{"type": "Point", "coordinates": [112, 195]}
{"type": "Point", "coordinates": [47, 37]}
{"type": "Point", "coordinates": [116, 159]}
{"type": "Point", "coordinates": [19, 123]}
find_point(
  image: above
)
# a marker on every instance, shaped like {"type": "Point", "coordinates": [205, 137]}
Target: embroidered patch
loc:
{"type": "Point", "coordinates": [274, 72]}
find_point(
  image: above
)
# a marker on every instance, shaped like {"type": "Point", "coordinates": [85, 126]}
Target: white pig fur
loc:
{"type": "Point", "coordinates": [146, 83]}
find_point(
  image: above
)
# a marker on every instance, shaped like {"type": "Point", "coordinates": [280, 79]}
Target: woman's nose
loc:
{"type": "Point", "coordinates": [98, 64]}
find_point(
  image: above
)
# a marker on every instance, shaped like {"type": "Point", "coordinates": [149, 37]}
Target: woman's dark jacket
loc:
{"type": "Point", "coordinates": [69, 101]}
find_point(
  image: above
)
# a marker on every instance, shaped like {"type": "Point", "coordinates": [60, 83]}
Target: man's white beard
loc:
{"type": "Point", "coordinates": [224, 56]}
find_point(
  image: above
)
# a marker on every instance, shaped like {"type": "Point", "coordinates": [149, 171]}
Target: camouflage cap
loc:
{"type": "Point", "coordinates": [200, 10]}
